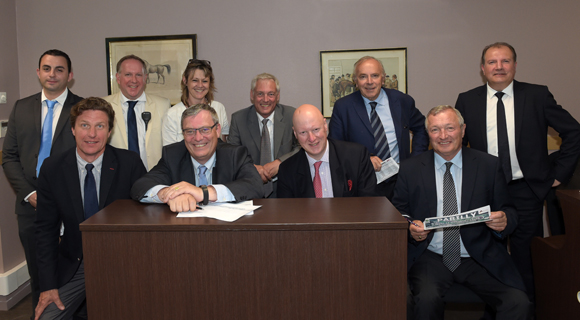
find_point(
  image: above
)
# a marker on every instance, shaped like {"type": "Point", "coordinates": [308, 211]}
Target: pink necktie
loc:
{"type": "Point", "coordinates": [317, 183]}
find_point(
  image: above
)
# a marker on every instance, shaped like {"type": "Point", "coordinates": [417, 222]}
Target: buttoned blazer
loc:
{"type": "Point", "coordinates": [245, 131]}
{"type": "Point", "coordinates": [233, 168]}
{"type": "Point", "coordinates": [534, 110]}
{"type": "Point", "coordinates": [22, 144]}
{"type": "Point", "coordinates": [351, 171]}
{"type": "Point", "coordinates": [59, 200]}
{"type": "Point", "coordinates": [483, 184]}
{"type": "Point", "coordinates": [158, 107]}
{"type": "Point", "coordinates": [350, 122]}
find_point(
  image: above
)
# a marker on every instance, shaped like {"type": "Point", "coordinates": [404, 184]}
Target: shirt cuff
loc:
{"type": "Point", "coordinates": [28, 196]}
{"type": "Point", "coordinates": [151, 195]}
{"type": "Point", "coordinates": [223, 193]}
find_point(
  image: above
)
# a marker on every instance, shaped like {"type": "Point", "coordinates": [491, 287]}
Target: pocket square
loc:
{"type": "Point", "coordinates": [349, 185]}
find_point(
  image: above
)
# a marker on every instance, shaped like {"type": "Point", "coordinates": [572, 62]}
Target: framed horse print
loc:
{"type": "Point", "coordinates": [337, 72]}
{"type": "Point", "coordinates": [165, 57]}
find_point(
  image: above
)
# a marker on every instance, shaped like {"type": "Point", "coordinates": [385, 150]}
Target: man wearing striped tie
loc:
{"type": "Point", "coordinates": [445, 181]}
{"type": "Point", "coordinates": [38, 127]}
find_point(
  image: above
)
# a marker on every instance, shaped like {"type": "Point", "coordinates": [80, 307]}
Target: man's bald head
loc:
{"type": "Point", "coordinates": [311, 130]}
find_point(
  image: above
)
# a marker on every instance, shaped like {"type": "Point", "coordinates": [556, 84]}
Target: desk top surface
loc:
{"type": "Point", "coordinates": [275, 214]}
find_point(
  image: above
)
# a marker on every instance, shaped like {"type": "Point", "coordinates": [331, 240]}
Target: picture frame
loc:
{"type": "Point", "coordinates": [340, 63]}
{"type": "Point", "coordinates": [166, 58]}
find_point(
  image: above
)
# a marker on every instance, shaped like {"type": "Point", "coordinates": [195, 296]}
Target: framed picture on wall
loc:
{"type": "Point", "coordinates": [337, 68]}
{"type": "Point", "coordinates": [165, 57]}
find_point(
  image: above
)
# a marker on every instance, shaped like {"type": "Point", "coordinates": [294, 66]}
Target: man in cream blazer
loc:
{"type": "Point", "coordinates": [131, 77]}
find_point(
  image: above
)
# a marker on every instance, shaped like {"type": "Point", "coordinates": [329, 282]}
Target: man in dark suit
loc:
{"type": "Point", "coordinates": [379, 119]}
{"type": "Point", "coordinates": [446, 181]}
{"type": "Point", "coordinates": [324, 168]}
{"type": "Point", "coordinates": [200, 168]}
{"type": "Point", "coordinates": [514, 128]}
{"type": "Point", "coordinates": [73, 186]}
{"type": "Point", "coordinates": [22, 144]}
{"type": "Point", "coordinates": [247, 129]}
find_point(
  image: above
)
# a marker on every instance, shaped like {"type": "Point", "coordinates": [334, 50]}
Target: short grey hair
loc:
{"type": "Point", "coordinates": [196, 109]}
{"type": "Point", "coordinates": [365, 58]}
{"type": "Point", "coordinates": [438, 109]}
{"type": "Point", "coordinates": [265, 76]}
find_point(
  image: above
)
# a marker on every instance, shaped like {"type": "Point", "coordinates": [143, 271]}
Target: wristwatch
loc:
{"type": "Point", "coordinates": [205, 194]}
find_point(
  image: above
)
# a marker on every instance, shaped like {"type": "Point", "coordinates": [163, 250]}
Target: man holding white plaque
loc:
{"type": "Point", "coordinates": [446, 181]}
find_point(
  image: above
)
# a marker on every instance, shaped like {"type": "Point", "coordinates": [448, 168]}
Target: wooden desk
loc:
{"type": "Point", "coordinates": [341, 258]}
{"type": "Point", "coordinates": [556, 260]}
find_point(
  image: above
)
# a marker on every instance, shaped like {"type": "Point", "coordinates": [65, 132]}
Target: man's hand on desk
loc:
{"type": "Point", "coordinates": [377, 163]}
{"type": "Point", "coordinates": [182, 203]}
{"type": "Point", "coordinates": [46, 298]}
{"type": "Point", "coordinates": [171, 192]}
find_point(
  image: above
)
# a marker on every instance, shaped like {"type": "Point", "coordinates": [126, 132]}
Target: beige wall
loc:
{"type": "Point", "coordinates": [11, 253]}
{"type": "Point", "coordinates": [283, 37]}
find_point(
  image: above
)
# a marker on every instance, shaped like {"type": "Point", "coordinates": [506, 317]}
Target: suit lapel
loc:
{"type": "Point", "coordinates": [303, 177]}
{"type": "Point", "coordinates": [278, 129]}
{"type": "Point", "coordinates": [254, 128]}
{"type": "Point", "coordinates": [360, 108]}
{"type": "Point", "coordinates": [519, 107]}
{"type": "Point", "coordinates": [429, 182]}
{"type": "Point", "coordinates": [109, 169]}
{"type": "Point", "coordinates": [63, 119]}
{"type": "Point", "coordinates": [37, 112]}
{"type": "Point", "coordinates": [395, 107]}
{"type": "Point", "coordinates": [186, 169]}
{"type": "Point", "coordinates": [149, 107]}
{"type": "Point", "coordinates": [469, 173]}
{"type": "Point", "coordinates": [71, 179]}
{"type": "Point", "coordinates": [336, 172]}
{"type": "Point", "coordinates": [480, 111]}
{"type": "Point", "coordinates": [120, 126]}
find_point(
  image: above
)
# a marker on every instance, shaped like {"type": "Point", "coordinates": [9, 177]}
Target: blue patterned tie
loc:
{"type": "Point", "coordinates": [451, 236]}
{"type": "Point", "coordinates": [202, 177]}
{"type": "Point", "coordinates": [46, 142]}
{"type": "Point", "coordinates": [91, 202]}
{"type": "Point", "coordinates": [132, 132]}
{"type": "Point", "coordinates": [381, 144]}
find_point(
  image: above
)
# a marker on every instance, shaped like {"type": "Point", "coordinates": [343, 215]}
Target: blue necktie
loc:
{"type": "Point", "coordinates": [46, 142]}
{"type": "Point", "coordinates": [381, 144]}
{"type": "Point", "coordinates": [202, 177]}
{"type": "Point", "coordinates": [91, 202]}
{"type": "Point", "coordinates": [132, 127]}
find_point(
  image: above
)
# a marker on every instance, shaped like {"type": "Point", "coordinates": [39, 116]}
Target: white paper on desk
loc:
{"type": "Point", "coordinates": [224, 211]}
{"type": "Point", "coordinates": [389, 168]}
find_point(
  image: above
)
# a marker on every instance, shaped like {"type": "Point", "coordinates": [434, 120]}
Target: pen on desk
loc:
{"type": "Point", "coordinates": [198, 208]}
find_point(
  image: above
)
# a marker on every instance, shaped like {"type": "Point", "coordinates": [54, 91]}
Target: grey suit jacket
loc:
{"type": "Point", "coordinates": [22, 143]}
{"type": "Point", "coordinates": [245, 131]}
{"type": "Point", "coordinates": [233, 168]}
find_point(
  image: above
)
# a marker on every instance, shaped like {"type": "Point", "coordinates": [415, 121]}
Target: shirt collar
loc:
{"type": "Point", "coordinates": [509, 90]}
{"type": "Point", "coordinates": [82, 163]}
{"type": "Point", "coordinates": [379, 100]}
{"type": "Point", "coordinates": [60, 99]}
{"type": "Point", "coordinates": [142, 97]}
{"type": "Point", "coordinates": [270, 117]}
{"type": "Point", "coordinates": [324, 158]}
{"type": "Point", "coordinates": [209, 164]}
{"type": "Point", "coordinates": [457, 160]}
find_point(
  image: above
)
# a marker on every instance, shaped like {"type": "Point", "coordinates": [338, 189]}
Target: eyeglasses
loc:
{"type": "Point", "coordinates": [205, 131]}
{"type": "Point", "coordinates": [202, 62]}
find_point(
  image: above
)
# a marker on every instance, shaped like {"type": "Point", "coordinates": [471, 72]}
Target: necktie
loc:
{"type": "Point", "coordinates": [91, 202]}
{"type": "Point", "coordinates": [451, 241]}
{"type": "Point", "coordinates": [503, 145]}
{"type": "Point", "coordinates": [202, 177]}
{"type": "Point", "coordinates": [132, 127]}
{"type": "Point", "coordinates": [381, 144]}
{"type": "Point", "coordinates": [316, 181]}
{"type": "Point", "coordinates": [265, 147]}
{"type": "Point", "coordinates": [46, 142]}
